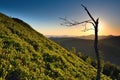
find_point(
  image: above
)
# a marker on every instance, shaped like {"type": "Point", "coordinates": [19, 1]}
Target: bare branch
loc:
{"type": "Point", "coordinates": [85, 29]}
{"type": "Point", "coordinates": [73, 23]}
{"type": "Point", "coordinates": [88, 13]}
{"type": "Point", "coordinates": [66, 22]}
{"type": "Point", "coordinates": [63, 18]}
{"type": "Point", "coordinates": [92, 23]}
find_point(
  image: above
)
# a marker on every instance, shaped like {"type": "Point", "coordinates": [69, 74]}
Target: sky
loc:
{"type": "Point", "coordinates": [43, 15]}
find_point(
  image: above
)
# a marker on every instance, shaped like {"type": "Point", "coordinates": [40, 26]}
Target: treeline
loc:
{"type": "Point", "coordinates": [108, 68]}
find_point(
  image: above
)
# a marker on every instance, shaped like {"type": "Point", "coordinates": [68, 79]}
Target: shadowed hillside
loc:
{"type": "Point", "coordinates": [109, 47]}
{"type": "Point", "coordinates": [27, 55]}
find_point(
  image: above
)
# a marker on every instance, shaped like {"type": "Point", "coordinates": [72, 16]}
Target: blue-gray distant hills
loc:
{"type": "Point", "coordinates": [109, 46]}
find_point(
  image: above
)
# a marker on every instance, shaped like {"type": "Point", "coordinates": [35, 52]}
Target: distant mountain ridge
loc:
{"type": "Point", "coordinates": [88, 37]}
{"type": "Point", "coordinates": [26, 54]}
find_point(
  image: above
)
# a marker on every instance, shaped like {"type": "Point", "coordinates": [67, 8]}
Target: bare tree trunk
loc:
{"type": "Point", "coordinates": [96, 51]}
{"type": "Point", "coordinates": [95, 24]}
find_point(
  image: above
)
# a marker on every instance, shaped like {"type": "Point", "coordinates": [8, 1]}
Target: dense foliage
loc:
{"type": "Point", "coordinates": [27, 55]}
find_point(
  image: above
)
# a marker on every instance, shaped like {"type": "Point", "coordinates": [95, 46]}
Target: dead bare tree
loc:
{"type": "Point", "coordinates": [95, 24]}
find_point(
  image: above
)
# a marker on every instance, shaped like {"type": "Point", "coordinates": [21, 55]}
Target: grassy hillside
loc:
{"type": "Point", "coordinates": [109, 47]}
{"type": "Point", "coordinates": [27, 55]}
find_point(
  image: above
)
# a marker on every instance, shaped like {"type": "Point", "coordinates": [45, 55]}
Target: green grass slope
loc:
{"type": "Point", "coordinates": [27, 55]}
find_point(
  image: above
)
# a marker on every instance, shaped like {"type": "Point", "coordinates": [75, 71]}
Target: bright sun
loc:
{"type": "Point", "coordinates": [100, 26]}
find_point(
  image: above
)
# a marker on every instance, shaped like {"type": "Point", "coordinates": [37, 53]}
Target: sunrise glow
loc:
{"type": "Point", "coordinates": [45, 20]}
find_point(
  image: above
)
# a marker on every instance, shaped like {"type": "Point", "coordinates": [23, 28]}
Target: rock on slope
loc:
{"type": "Point", "coordinates": [27, 55]}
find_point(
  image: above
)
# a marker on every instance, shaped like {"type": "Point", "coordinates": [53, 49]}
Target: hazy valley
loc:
{"type": "Point", "coordinates": [109, 46]}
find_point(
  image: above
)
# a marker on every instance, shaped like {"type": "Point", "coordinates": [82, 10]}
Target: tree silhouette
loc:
{"type": "Point", "coordinates": [95, 24]}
